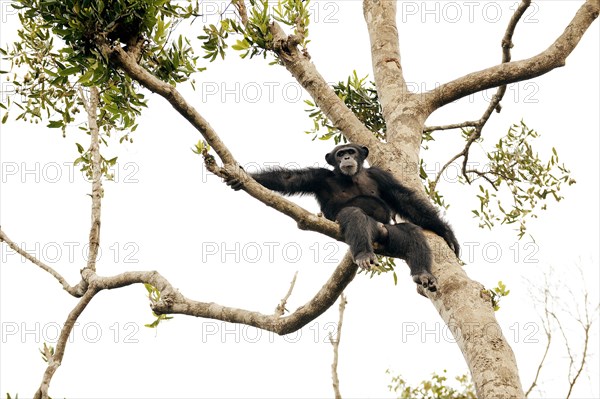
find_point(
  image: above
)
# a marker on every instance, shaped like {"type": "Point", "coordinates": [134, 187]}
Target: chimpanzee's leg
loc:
{"type": "Point", "coordinates": [360, 231]}
{"type": "Point", "coordinates": [406, 241]}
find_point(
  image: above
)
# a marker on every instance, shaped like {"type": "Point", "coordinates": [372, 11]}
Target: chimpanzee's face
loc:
{"type": "Point", "coordinates": [347, 160]}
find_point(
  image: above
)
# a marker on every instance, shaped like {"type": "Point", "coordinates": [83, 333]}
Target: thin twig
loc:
{"type": "Point", "coordinates": [586, 326]}
{"type": "Point", "coordinates": [551, 316]}
{"type": "Point", "coordinates": [428, 129]}
{"type": "Point", "coordinates": [494, 104]}
{"type": "Point", "coordinates": [336, 344]}
{"type": "Point", "coordinates": [76, 291]}
{"type": "Point", "coordinates": [548, 331]}
{"type": "Point", "coordinates": [280, 309]}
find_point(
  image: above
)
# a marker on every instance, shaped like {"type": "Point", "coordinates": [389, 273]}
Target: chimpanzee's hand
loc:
{"type": "Point", "coordinates": [234, 181]}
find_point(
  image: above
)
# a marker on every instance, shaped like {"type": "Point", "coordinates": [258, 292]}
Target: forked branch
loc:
{"type": "Point", "coordinates": [553, 57]}
{"type": "Point", "coordinates": [494, 104]}
{"type": "Point", "coordinates": [173, 302]}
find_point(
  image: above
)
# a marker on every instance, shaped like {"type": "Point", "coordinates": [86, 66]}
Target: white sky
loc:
{"type": "Point", "coordinates": [165, 212]}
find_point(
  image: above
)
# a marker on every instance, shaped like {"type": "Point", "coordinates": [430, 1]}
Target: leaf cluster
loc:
{"type": "Point", "coordinates": [256, 37]}
{"type": "Point", "coordinates": [57, 52]}
{"type": "Point", "coordinates": [361, 97]}
{"type": "Point", "coordinates": [215, 38]}
{"type": "Point", "coordinates": [496, 294]}
{"type": "Point", "coordinates": [529, 179]}
{"type": "Point", "coordinates": [154, 296]}
{"type": "Point", "coordinates": [56, 59]}
{"type": "Point", "coordinates": [386, 265]}
{"type": "Point", "coordinates": [80, 22]}
{"type": "Point", "coordinates": [438, 387]}
{"type": "Point", "coordinates": [85, 162]}
{"type": "Point", "coordinates": [47, 352]}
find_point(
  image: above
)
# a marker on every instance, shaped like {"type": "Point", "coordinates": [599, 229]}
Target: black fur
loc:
{"type": "Point", "coordinates": [364, 202]}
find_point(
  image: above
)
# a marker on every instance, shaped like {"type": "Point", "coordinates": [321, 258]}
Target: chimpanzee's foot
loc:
{"type": "Point", "coordinates": [365, 260]}
{"type": "Point", "coordinates": [426, 280]}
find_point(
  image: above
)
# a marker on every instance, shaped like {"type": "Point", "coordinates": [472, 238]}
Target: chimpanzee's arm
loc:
{"type": "Point", "coordinates": [289, 181]}
{"type": "Point", "coordinates": [413, 208]}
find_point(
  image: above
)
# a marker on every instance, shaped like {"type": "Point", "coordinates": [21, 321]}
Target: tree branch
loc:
{"type": "Point", "coordinates": [553, 57]}
{"type": "Point", "coordinates": [91, 106]}
{"type": "Point", "coordinates": [304, 71]}
{"type": "Point", "coordinates": [553, 319]}
{"type": "Point", "coordinates": [305, 219]}
{"type": "Point", "coordinates": [173, 302]}
{"type": "Point", "coordinates": [129, 64]}
{"type": "Point", "coordinates": [494, 104]}
{"type": "Point", "coordinates": [451, 126]}
{"type": "Point", "coordinates": [472, 322]}
{"type": "Point", "coordinates": [548, 332]}
{"type": "Point", "coordinates": [322, 301]}
{"type": "Point", "coordinates": [336, 344]}
{"type": "Point", "coordinates": [280, 309]}
{"type": "Point", "coordinates": [240, 6]}
{"type": "Point", "coordinates": [507, 45]}
{"type": "Point", "coordinates": [56, 359]}
{"type": "Point", "coordinates": [398, 105]}
{"type": "Point", "coordinates": [77, 290]}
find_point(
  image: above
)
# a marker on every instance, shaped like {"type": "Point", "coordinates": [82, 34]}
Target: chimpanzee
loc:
{"type": "Point", "coordinates": [365, 201]}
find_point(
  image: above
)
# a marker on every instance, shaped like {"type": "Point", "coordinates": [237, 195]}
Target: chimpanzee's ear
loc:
{"type": "Point", "coordinates": [330, 159]}
{"type": "Point", "coordinates": [365, 151]}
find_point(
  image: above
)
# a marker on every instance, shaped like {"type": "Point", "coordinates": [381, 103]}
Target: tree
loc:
{"type": "Point", "coordinates": [556, 313]}
{"type": "Point", "coordinates": [112, 50]}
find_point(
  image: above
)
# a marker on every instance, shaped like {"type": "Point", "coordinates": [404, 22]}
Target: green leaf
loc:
{"type": "Point", "coordinates": [55, 124]}
{"type": "Point", "coordinates": [69, 71]}
{"type": "Point", "coordinates": [154, 324]}
{"type": "Point", "coordinates": [241, 45]}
